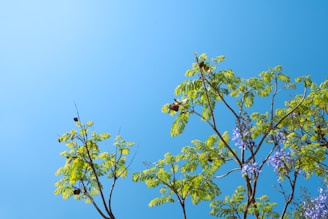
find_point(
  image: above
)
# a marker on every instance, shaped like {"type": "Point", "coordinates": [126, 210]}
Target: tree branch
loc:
{"type": "Point", "coordinates": [280, 121]}
{"type": "Point", "coordinates": [291, 196]}
{"type": "Point", "coordinates": [93, 202]}
{"type": "Point", "coordinates": [226, 174]}
{"type": "Point", "coordinates": [97, 179]}
{"type": "Point", "coordinates": [223, 100]}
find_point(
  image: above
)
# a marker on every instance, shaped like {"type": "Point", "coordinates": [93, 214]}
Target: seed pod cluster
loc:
{"type": "Point", "coordinates": [77, 191]}
{"type": "Point", "coordinates": [201, 64]}
{"type": "Point", "coordinates": [174, 107]}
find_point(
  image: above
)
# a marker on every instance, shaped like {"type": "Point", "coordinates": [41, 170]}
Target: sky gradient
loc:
{"type": "Point", "coordinates": [120, 61]}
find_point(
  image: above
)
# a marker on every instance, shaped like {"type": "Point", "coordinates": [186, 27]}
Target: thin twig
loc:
{"type": "Point", "coordinates": [226, 174]}
{"type": "Point", "coordinates": [291, 196]}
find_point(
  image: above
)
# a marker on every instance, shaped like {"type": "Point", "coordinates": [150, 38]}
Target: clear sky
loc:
{"type": "Point", "coordinates": [120, 61]}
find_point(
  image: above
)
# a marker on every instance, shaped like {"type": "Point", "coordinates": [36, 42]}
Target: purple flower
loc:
{"type": "Point", "coordinates": [280, 137]}
{"type": "Point", "coordinates": [251, 168]}
{"type": "Point", "coordinates": [317, 207]}
{"type": "Point", "coordinates": [241, 136]}
{"type": "Point", "coordinates": [235, 134]}
{"type": "Point", "coordinates": [237, 138]}
{"type": "Point", "coordinates": [281, 162]}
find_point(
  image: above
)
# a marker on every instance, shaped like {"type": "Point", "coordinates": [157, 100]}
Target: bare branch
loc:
{"type": "Point", "coordinates": [226, 174]}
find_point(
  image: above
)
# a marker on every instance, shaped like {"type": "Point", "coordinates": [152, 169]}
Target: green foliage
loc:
{"type": "Point", "coordinates": [85, 164]}
{"type": "Point", "coordinates": [302, 123]}
{"type": "Point", "coordinates": [292, 138]}
{"type": "Point", "coordinates": [178, 177]}
{"type": "Point", "coordinates": [233, 207]}
{"type": "Point", "coordinates": [229, 207]}
{"type": "Point", "coordinates": [264, 206]}
{"type": "Point", "coordinates": [160, 200]}
{"type": "Point", "coordinates": [209, 155]}
{"type": "Point", "coordinates": [306, 130]}
{"type": "Point", "coordinates": [179, 124]}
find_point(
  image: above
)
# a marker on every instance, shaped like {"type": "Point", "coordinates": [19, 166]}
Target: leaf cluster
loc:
{"type": "Point", "coordinates": [302, 122]}
{"type": "Point", "coordinates": [86, 164]}
{"type": "Point", "coordinates": [177, 177]}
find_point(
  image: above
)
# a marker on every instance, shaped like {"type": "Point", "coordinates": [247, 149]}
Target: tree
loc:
{"type": "Point", "coordinates": [292, 139]}
{"type": "Point", "coordinates": [85, 165]}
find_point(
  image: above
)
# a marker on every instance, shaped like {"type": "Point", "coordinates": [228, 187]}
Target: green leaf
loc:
{"type": "Point", "coordinates": [125, 151]}
{"type": "Point", "coordinates": [160, 201]}
{"type": "Point", "coordinates": [267, 76]}
{"type": "Point", "coordinates": [283, 77]}
{"type": "Point", "coordinates": [89, 123]}
{"type": "Point", "coordinates": [211, 140]}
{"type": "Point", "coordinates": [218, 59]}
{"type": "Point", "coordinates": [203, 57]}
{"type": "Point", "coordinates": [104, 156]}
{"type": "Point", "coordinates": [59, 171]}
{"type": "Point", "coordinates": [104, 136]}
{"type": "Point", "coordinates": [83, 132]}
{"type": "Point", "coordinates": [151, 182]}
{"type": "Point", "coordinates": [179, 124]}
{"type": "Point", "coordinates": [249, 99]}
{"type": "Point", "coordinates": [166, 108]}
{"type": "Point", "coordinates": [163, 176]}
{"type": "Point", "coordinates": [67, 193]}
{"type": "Point", "coordinates": [190, 72]}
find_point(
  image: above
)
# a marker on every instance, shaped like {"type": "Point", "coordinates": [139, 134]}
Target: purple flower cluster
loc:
{"type": "Point", "coordinates": [251, 168]}
{"type": "Point", "coordinates": [237, 139]}
{"type": "Point", "coordinates": [281, 161]}
{"type": "Point", "coordinates": [280, 137]}
{"type": "Point", "coordinates": [241, 136]}
{"type": "Point", "coordinates": [318, 207]}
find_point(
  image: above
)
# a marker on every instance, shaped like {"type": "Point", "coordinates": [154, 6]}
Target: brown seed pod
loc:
{"type": "Point", "coordinates": [201, 64]}
{"type": "Point", "coordinates": [77, 191]}
{"type": "Point", "coordinates": [174, 107]}
{"type": "Point", "coordinates": [210, 160]}
{"type": "Point", "coordinates": [75, 119]}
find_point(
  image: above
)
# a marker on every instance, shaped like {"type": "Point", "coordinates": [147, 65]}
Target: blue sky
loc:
{"type": "Point", "coordinates": [120, 61]}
